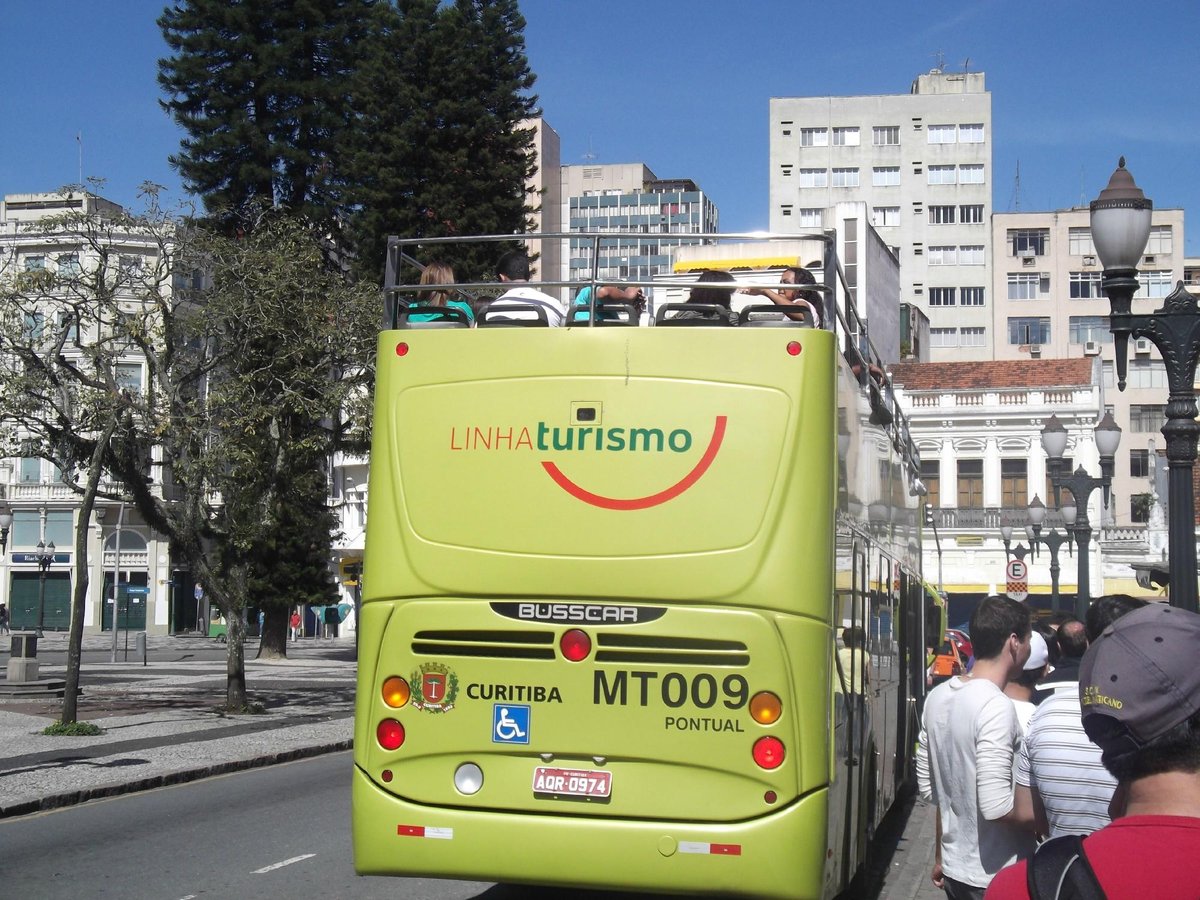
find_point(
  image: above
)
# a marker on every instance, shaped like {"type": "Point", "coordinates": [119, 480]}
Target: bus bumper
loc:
{"type": "Point", "coordinates": [782, 855]}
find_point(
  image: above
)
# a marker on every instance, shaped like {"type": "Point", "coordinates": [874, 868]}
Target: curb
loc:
{"type": "Point", "coordinates": [73, 798]}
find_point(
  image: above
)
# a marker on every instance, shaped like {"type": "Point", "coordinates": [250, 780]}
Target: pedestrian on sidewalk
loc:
{"type": "Point", "coordinates": [295, 623]}
{"type": "Point", "coordinates": [1139, 689]}
{"type": "Point", "coordinates": [969, 738]}
{"type": "Point", "coordinates": [4, 618]}
{"type": "Point", "coordinates": [1058, 766]}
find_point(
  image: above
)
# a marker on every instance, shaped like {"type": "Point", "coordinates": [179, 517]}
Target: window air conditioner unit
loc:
{"type": "Point", "coordinates": [1148, 260]}
{"type": "Point", "coordinates": [1089, 260]}
{"type": "Point", "coordinates": [1028, 262]}
{"type": "Point", "coordinates": [1091, 348]}
{"type": "Point", "coordinates": [1035, 351]}
{"type": "Point", "coordinates": [1142, 345]}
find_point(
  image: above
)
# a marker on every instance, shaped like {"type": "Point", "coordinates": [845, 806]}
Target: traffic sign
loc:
{"type": "Point", "coordinates": [1017, 575]}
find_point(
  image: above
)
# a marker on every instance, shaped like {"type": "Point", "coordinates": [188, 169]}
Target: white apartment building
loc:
{"type": "Point", "coordinates": [1048, 302]}
{"type": "Point", "coordinates": [628, 198]}
{"type": "Point", "coordinates": [155, 597]}
{"type": "Point", "coordinates": [922, 164]}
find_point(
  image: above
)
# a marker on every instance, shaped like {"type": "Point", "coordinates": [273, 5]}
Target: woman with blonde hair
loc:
{"type": "Point", "coordinates": [439, 273]}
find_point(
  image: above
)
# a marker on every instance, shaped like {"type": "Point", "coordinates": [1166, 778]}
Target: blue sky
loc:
{"type": "Point", "coordinates": [684, 85]}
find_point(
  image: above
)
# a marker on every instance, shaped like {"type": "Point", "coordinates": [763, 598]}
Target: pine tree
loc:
{"type": "Point", "coordinates": [262, 92]}
{"type": "Point", "coordinates": [441, 149]}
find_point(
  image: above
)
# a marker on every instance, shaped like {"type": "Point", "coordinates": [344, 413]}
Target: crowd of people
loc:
{"type": "Point", "coordinates": [522, 301]}
{"type": "Point", "coordinates": [1066, 762]}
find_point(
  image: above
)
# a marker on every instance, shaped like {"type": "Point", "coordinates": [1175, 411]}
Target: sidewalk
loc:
{"type": "Point", "coordinates": [162, 724]}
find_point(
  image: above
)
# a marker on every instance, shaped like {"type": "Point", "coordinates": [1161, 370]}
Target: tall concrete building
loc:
{"type": "Point", "coordinates": [1048, 303]}
{"type": "Point", "coordinates": [630, 199]}
{"type": "Point", "coordinates": [922, 164]}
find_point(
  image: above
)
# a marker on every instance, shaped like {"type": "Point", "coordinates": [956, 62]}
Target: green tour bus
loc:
{"type": "Point", "coordinates": [642, 606]}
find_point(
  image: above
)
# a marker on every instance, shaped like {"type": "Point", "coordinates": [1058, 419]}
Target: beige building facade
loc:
{"type": "Point", "coordinates": [921, 162]}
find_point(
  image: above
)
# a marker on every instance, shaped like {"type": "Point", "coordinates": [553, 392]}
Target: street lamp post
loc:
{"type": "Point", "coordinates": [931, 522]}
{"type": "Point", "coordinates": [6, 518]}
{"type": "Point", "coordinates": [1120, 221]}
{"type": "Point", "coordinates": [1018, 552]}
{"type": "Point", "coordinates": [1053, 541]}
{"type": "Point", "coordinates": [44, 557]}
{"type": "Point", "coordinates": [1080, 486]}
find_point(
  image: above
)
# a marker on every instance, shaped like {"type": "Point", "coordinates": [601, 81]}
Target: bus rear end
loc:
{"type": "Point", "coordinates": [594, 643]}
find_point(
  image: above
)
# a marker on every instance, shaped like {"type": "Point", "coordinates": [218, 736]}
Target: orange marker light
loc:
{"type": "Point", "coordinates": [390, 734]}
{"type": "Point", "coordinates": [575, 645]}
{"type": "Point", "coordinates": [396, 692]}
{"type": "Point", "coordinates": [765, 708]}
{"type": "Point", "coordinates": [768, 752]}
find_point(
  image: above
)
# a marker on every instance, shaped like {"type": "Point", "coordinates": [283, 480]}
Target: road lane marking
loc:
{"type": "Point", "coordinates": [280, 865]}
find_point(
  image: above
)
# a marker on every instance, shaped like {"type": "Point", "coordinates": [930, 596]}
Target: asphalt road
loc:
{"type": "Point", "coordinates": [277, 832]}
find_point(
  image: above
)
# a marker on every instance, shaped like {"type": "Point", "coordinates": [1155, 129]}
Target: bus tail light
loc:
{"type": "Point", "coordinates": [765, 708]}
{"type": "Point", "coordinates": [768, 752]}
{"type": "Point", "coordinates": [575, 645]}
{"type": "Point", "coordinates": [396, 692]}
{"type": "Point", "coordinates": [390, 734]}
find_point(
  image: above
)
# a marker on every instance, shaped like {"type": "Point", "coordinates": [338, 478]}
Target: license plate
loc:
{"type": "Point", "coordinates": [572, 782]}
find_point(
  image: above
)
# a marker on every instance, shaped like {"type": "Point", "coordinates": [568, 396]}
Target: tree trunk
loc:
{"type": "Point", "coordinates": [235, 662]}
{"type": "Point", "coordinates": [70, 708]}
{"type": "Point", "coordinates": [273, 641]}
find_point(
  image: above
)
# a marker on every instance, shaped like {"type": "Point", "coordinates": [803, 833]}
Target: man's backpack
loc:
{"type": "Point", "coordinates": [1059, 870]}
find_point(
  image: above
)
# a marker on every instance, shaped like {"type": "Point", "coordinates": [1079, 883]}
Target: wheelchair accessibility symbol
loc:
{"type": "Point", "coordinates": [510, 724]}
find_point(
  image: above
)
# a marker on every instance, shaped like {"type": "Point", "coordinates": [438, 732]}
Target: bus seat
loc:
{"type": "Point", "coordinates": [769, 315]}
{"type": "Point", "coordinates": [529, 315]}
{"type": "Point", "coordinates": [706, 315]}
{"type": "Point", "coordinates": [439, 317]}
{"type": "Point", "coordinates": [619, 314]}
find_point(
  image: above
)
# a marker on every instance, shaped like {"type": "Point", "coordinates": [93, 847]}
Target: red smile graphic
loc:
{"type": "Point", "coordinates": [714, 445]}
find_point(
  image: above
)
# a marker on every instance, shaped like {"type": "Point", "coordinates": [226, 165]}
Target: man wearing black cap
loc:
{"type": "Point", "coordinates": [1139, 688]}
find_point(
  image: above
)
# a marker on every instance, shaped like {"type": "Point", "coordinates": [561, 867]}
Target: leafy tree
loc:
{"type": "Point", "coordinates": [439, 149]}
{"type": "Point", "coordinates": [255, 352]}
{"type": "Point", "coordinates": [262, 92]}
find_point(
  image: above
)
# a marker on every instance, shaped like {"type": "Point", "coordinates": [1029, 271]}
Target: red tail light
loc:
{"type": "Point", "coordinates": [768, 752]}
{"type": "Point", "coordinates": [390, 734]}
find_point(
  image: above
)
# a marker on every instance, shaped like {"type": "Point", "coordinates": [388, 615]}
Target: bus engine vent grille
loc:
{"type": "Point", "coordinates": [664, 650]}
{"type": "Point", "coordinates": [481, 643]}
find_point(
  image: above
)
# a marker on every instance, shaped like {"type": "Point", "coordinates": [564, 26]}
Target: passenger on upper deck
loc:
{"type": "Point", "coordinates": [514, 267]}
{"type": "Point", "coordinates": [809, 301]}
{"type": "Point", "coordinates": [611, 293]}
{"type": "Point", "coordinates": [712, 296]}
{"type": "Point", "coordinates": [439, 273]}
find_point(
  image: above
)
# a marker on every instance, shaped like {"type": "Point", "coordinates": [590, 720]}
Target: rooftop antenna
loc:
{"type": "Point", "coordinates": [966, 64]}
{"type": "Point", "coordinates": [589, 156]}
{"type": "Point", "coordinates": [1017, 188]}
{"type": "Point", "coordinates": [79, 140]}
{"type": "Point", "coordinates": [939, 62]}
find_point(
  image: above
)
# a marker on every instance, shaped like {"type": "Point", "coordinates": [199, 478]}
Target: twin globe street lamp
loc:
{"type": "Point", "coordinates": [1053, 542]}
{"type": "Point", "coordinates": [44, 557]}
{"type": "Point", "coordinates": [1120, 224]}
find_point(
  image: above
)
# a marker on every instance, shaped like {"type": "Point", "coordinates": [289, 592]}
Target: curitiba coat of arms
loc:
{"type": "Point", "coordinates": [434, 687]}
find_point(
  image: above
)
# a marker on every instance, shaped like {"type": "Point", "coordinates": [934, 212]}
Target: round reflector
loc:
{"type": "Point", "coordinates": [794, 348]}
{"type": "Point", "coordinates": [468, 778]}
{"type": "Point", "coordinates": [395, 692]}
{"type": "Point", "coordinates": [765, 708]}
{"type": "Point", "coordinates": [575, 645]}
{"type": "Point", "coordinates": [390, 734]}
{"type": "Point", "coordinates": [402, 349]}
{"type": "Point", "coordinates": [768, 752]}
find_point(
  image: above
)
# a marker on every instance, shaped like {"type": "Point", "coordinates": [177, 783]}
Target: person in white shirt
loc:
{"type": "Point", "coordinates": [1059, 768]}
{"type": "Point", "coordinates": [514, 267]}
{"type": "Point", "coordinates": [1021, 689]}
{"type": "Point", "coordinates": [969, 737]}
